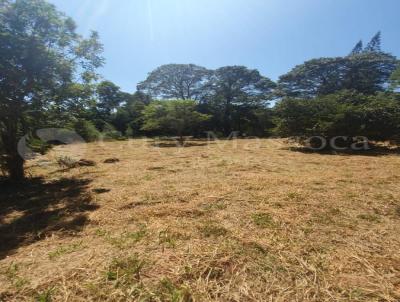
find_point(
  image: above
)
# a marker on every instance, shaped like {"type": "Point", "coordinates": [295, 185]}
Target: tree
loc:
{"type": "Point", "coordinates": [109, 98]}
{"type": "Point", "coordinates": [314, 77]}
{"type": "Point", "coordinates": [237, 86]}
{"type": "Point", "coordinates": [395, 79]}
{"type": "Point", "coordinates": [341, 114]}
{"type": "Point", "coordinates": [177, 116]}
{"type": "Point", "coordinates": [40, 55]}
{"type": "Point", "coordinates": [358, 48]}
{"type": "Point", "coordinates": [181, 81]}
{"type": "Point", "coordinates": [365, 72]}
{"type": "Point", "coordinates": [135, 108]}
{"type": "Point", "coordinates": [375, 44]}
{"type": "Point", "coordinates": [72, 102]}
{"type": "Point", "coordinates": [129, 114]}
{"type": "Point", "coordinates": [86, 130]}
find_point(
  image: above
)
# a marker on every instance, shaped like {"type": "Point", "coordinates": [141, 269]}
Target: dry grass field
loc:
{"type": "Point", "coordinates": [241, 220]}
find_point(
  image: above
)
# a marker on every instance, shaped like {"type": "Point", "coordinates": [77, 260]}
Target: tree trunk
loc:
{"type": "Point", "coordinates": [15, 168]}
{"type": "Point", "coordinates": [14, 162]}
{"type": "Point", "coordinates": [181, 140]}
{"type": "Point", "coordinates": [227, 117]}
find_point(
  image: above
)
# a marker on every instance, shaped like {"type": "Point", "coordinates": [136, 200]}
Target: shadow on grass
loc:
{"type": "Point", "coordinates": [31, 211]}
{"type": "Point", "coordinates": [374, 151]}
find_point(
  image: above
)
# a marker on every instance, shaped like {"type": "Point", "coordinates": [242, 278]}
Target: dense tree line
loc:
{"type": "Point", "coordinates": [48, 78]}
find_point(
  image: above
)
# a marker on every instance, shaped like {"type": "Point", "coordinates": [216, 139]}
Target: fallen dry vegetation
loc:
{"type": "Point", "coordinates": [242, 220]}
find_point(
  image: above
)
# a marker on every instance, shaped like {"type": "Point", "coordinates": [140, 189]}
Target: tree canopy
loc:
{"type": "Point", "coordinates": [177, 116]}
{"type": "Point", "coordinates": [40, 56]}
{"type": "Point", "coordinates": [182, 81]}
{"type": "Point", "coordinates": [395, 79]}
{"type": "Point", "coordinates": [366, 70]}
{"type": "Point", "coordinates": [236, 89]}
{"type": "Point", "coordinates": [342, 114]}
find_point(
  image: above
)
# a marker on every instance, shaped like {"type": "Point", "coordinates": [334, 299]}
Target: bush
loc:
{"type": "Point", "coordinates": [38, 146]}
{"type": "Point", "coordinates": [86, 130]}
{"type": "Point", "coordinates": [129, 132]}
{"type": "Point", "coordinates": [110, 133]}
{"type": "Point", "coordinates": [342, 114]}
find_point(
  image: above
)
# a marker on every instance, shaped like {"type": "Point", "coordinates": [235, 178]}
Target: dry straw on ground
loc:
{"type": "Point", "coordinates": [242, 220]}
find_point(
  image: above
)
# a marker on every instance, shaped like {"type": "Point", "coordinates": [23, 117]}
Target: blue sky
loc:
{"type": "Point", "coordinates": [270, 35]}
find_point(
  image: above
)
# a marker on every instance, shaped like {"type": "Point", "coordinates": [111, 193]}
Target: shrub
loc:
{"type": "Point", "coordinates": [38, 146]}
{"type": "Point", "coordinates": [129, 131]}
{"type": "Point", "coordinates": [341, 114]}
{"type": "Point", "coordinates": [110, 133]}
{"type": "Point", "coordinates": [86, 130]}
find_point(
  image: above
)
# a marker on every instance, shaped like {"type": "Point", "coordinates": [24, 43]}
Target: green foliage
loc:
{"type": "Point", "coordinates": [13, 275]}
{"type": "Point", "coordinates": [125, 271]}
{"type": "Point", "coordinates": [366, 72]}
{"type": "Point", "coordinates": [134, 108]}
{"type": "Point", "coordinates": [341, 114]}
{"type": "Point", "coordinates": [67, 249]}
{"type": "Point", "coordinates": [110, 133]}
{"type": "Point", "coordinates": [211, 229]}
{"type": "Point", "coordinates": [44, 296]}
{"type": "Point", "coordinates": [375, 44]}
{"type": "Point", "coordinates": [37, 145]}
{"type": "Point", "coordinates": [109, 97]}
{"type": "Point", "coordinates": [130, 132]}
{"type": "Point", "coordinates": [237, 91]}
{"type": "Point", "coordinates": [169, 291]}
{"type": "Point", "coordinates": [358, 48]}
{"type": "Point", "coordinates": [175, 116]}
{"type": "Point", "coordinates": [48, 80]}
{"type": "Point", "coordinates": [395, 79]}
{"type": "Point", "coordinates": [86, 130]}
{"type": "Point", "coordinates": [342, 96]}
{"type": "Point", "coordinates": [263, 220]}
{"type": "Point", "coordinates": [179, 81]}
{"type": "Point", "coordinates": [40, 56]}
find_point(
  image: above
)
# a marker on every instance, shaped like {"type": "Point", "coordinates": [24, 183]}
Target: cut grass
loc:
{"type": "Point", "coordinates": [226, 221]}
{"type": "Point", "coordinates": [13, 276]}
{"type": "Point", "coordinates": [211, 229]}
{"type": "Point", "coordinates": [124, 240]}
{"type": "Point", "coordinates": [67, 249]}
{"type": "Point", "coordinates": [125, 270]}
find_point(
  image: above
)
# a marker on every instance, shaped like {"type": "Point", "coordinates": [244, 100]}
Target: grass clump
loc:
{"type": "Point", "coordinates": [370, 217]}
{"type": "Point", "coordinates": [168, 291]}
{"type": "Point", "coordinates": [44, 296]}
{"type": "Point", "coordinates": [263, 220]}
{"type": "Point", "coordinates": [212, 230]}
{"type": "Point", "coordinates": [12, 274]}
{"type": "Point", "coordinates": [66, 249]}
{"type": "Point", "coordinates": [125, 270]}
{"type": "Point", "coordinates": [127, 239]}
{"type": "Point", "coordinates": [167, 239]}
